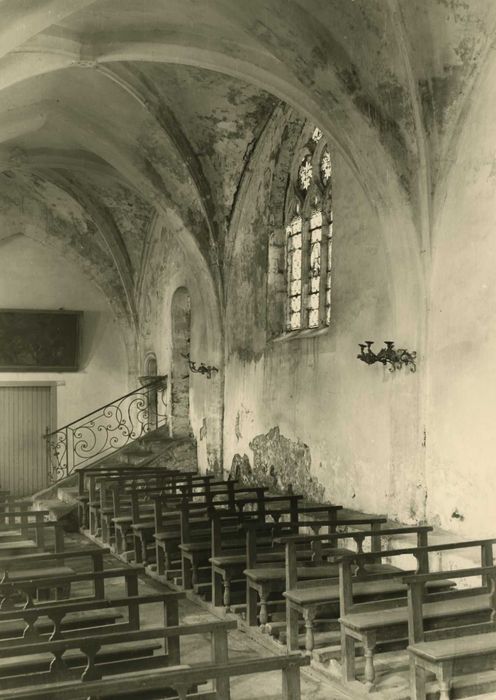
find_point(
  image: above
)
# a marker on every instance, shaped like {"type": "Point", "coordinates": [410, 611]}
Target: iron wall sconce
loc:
{"type": "Point", "coordinates": [395, 358]}
{"type": "Point", "coordinates": [206, 370]}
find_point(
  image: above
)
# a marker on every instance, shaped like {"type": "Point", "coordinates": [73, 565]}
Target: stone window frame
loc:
{"type": "Point", "coordinates": [299, 202]}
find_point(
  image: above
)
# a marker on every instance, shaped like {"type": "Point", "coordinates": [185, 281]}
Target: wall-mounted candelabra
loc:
{"type": "Point", "coordinates": [396, 358]}
{"type": "Point", "coordinates": [202, 368]}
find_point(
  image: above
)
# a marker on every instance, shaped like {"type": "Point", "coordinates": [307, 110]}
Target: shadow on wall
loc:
{"type": "Point", "coordinates": [277, 463]}
{"type": "Point", "coordinates": [92, 330]}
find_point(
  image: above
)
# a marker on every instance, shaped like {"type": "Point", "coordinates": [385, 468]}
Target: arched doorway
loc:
{"type": "Point", "coordinates": [181, 331]}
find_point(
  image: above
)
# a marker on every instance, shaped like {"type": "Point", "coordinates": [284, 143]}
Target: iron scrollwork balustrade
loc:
{"type": "Point", "coordinates": [395, 358]}
{"type": "Point", "coordinates": [106, 429]}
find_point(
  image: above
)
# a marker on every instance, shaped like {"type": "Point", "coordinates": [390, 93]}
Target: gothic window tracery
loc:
{"type": "Point", "coordinates": [309, 237]}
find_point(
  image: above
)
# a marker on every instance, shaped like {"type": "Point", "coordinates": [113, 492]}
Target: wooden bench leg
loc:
{"type": "Point", "coordinates": [118, 539]}
{"type": "Point", "coordinates": [291, 683]}
{"type": "Point", "coordinates": [217, 597]}
{"type": "Point", "coordinates": [264, 613]}
{"type": "Point", "coordinates": [186, 573]}
{"type": "Point", "coordinates": [195, 578]}
{"type": "Point", "coordinates": [82, 516]}
{"type": "Point", "coordinates": [227, 592]}
{"type": "Point", "coordinates": [144, 553]}
{"type": "Point", "coordinates": [347, 656]}
{"type": "Point", "coordinates": [93, 522]}
{"type": "Point", "coordinates": [171, 555]}
{"type": "Point", "coordinates": [291, 627]}
{"type": "Point", "coordinates": [309, 617]}
{"type": "Point", "coordinates": [105, 535]}
{"type": "Point", "coordinates": [251, 605]}
{"type": "Point", "coordinates": [160, 555]}
{"type": "Point", "coordinates": [444, 676]}
{"type": "Point", "coordinates": [369, 644]}
{"type": "Point", "coordinates": [417, 680]}
{"type": "Point", "coordinates": [138, 558]}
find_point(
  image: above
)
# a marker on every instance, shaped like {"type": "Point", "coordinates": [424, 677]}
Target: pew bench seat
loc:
{"type": "Point", "coordinates": [145, 525]}
{"type": "Point", "coordinates": [379, 619]}
{"type": "Point", "coordinates": [72, 621]}
{"type": "Point", "coordinates": [205, 546]}
{"type": "Point", "coordinates": [443, 658]}
{"type": "Point", "coordinates": [267, 556]}
{"type": "Point", "coordinates": [6, 534]}
{"type": "Point", "coordinates": [48, 572]}
{"type": "Point", "coordinates": [172, 677]}
{"type": "Point", "coordinates": [311, 597]}
{"type": "Point", "coordinates": [24, 546]}
{"type": "Point", "coordinates": [328, 591]}
{"type": "Point", "coordinates": [13, 671]}
{"type": "Point", "coordinates": [53, 572]}
{"type": "Point", "coordinates": [371, 627]}
{"type": "Point", "coordinates": [455, 647]}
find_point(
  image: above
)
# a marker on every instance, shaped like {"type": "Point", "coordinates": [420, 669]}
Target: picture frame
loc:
{"type": "Point", "coordinates": [34, 340]}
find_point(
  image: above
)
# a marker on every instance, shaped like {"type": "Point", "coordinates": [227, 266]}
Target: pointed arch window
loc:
{"type": "Point", "coordinates": [309, 237]}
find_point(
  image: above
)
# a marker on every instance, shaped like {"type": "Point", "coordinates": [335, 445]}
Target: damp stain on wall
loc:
{"type": "Point", "coordinates": [278, 462]}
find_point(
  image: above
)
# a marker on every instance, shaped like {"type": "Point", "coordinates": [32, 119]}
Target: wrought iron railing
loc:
{"type": "Point", "coordinates": [106, 429]}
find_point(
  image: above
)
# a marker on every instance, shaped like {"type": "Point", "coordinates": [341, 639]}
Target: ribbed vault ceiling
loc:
{"type": "Point", "coordinates": [114, 112]}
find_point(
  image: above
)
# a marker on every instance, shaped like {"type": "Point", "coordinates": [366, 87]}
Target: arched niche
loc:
{"type": "Point", "coordinates": [150, 366]}
{"type": "Point", "coordinates": [180, 386]}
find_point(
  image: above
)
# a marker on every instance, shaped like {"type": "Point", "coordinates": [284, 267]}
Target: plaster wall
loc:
{"type": "Point", "coordinates": [314, 390]}
{"type": "Point", "coordinates": [461, 436]}
{"type": "Point", "coordinates": [32, 276]}
{"type": "Point", "coordinates": [167, 271]}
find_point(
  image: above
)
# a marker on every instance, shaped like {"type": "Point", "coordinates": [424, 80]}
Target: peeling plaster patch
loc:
{"type": "Point", "coordinates": [213, 461]}
{"type": "Point", "coordinates": [203, 429]}
{"type": "Point", "coordinates": [277, 463]}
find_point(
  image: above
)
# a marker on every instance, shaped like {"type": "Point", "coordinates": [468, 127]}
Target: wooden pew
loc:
{"type": "Point", "coordinates": [18, 601]}
{"type": "Point", "coordinates": [130, 505]}
{"type": "Point", "coordinates": [370, 623]}
{"type": "Point", "coordinates": [176, 520]}
{"type": "Point", "coordinates": [17, 526]}
{"type": "Point", "coordinates": [179, 678]}
{"type": "Point", "coordinates": [118, 493]}
{"type": "Point", "coordinates": [199, 488]}
{"type": "Point", "coordinates": [65, 620]}
{"type": "Point", "coordinates": [229, 566]}
{"type": "Point", "coordinates": [196, 542]}
{"type": "Point", "coordinates": [20, 587]}
{"type": "Point", "coordinates": [443, 652]}
{"type": "Point", "coordinates": [48, 566]}
{"type": "Point", "coordinates": [97, 475]}
{"type": "Point", "coordinates": [309, 597]}
{"type": "Point", "coordinates": [265, 581]}
{"type": "Point", "coordinates": [91, 657]}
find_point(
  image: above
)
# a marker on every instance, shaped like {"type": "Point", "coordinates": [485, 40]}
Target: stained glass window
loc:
{"type": "Point", "coordinates": [305, 174]}
{"type": "Point", "coordinates": [294, 258]}
{"type": "Point", "coordinates": [325, 167]}
{"type": "Point", "coordinates": [309, 239]}
{"type": "Point", "coordinates": [314, 269]}
{"type": "Point", "coordinates": [317, 134]}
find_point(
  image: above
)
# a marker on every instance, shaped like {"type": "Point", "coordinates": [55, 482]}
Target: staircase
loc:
{"type": "Point", "coordinates": [129, 429]}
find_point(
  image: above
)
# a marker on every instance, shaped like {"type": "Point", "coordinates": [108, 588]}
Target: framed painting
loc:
{"type": "Point", "coordinates": [39, 341]}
